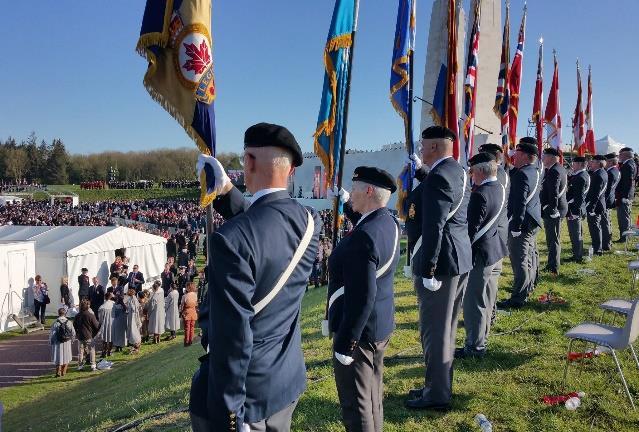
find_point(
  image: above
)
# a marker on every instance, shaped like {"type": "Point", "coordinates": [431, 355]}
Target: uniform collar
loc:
{"type": "Point", "coordinates": [438, 161]}
{"type": "Point", "coordinates": [488, 180]}
{"type": "Point", "coordinates": [263, 192]}
{"type": "Point", "coordinates": [579, 171]}
{"type": "Point", "coordinates": [365, 215]}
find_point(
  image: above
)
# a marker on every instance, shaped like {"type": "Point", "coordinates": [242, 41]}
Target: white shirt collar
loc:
{"type": "Point", "coordinates": [438, 161]}
{"type": "Point", "coordinates": [579, 171]}
{"type": "Point", "coordinates": [262, 192]}
{"type": "Point", "coordinates": [488, 180]}
{"type": "Point", "coordinates": [608, 169]}
{"type": "Point", "coordinates": [365, 215]}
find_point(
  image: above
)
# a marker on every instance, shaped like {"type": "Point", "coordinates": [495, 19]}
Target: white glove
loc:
{"type": "Point", "coordinates": [416, 160]}
{"type": "Point", "coordinates": [408, 272]}
{"type": "Point", "coordinates": [625, 200]}
{"type": "Point", "coordinates": [431, 284]}
{"type": "Point", "coordinates": [344, 196]}
{"type": "Point", "coordinates": [515, 234]}
{"type": "Point", "coordinates": [592, 214]}
{"type": "Point", "coordinates": [245, 428]}
{"type": "Point", "coordinates": [221, 179]}
{"type": "Point", "coordinates": [344, 359]}
{"type": "Point", "coordinates": [554, 215]}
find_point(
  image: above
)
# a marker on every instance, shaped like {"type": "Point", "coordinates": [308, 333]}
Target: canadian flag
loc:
{"type": "Point", "coordinates": [552, 116]}
{"type": "Point", "coordinates": [578, 120]}
{"type": "Point", "coordinates": [590, 119]}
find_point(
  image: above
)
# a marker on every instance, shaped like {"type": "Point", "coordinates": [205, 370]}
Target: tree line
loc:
{"type": "Point", "coordinates": [38, 161]}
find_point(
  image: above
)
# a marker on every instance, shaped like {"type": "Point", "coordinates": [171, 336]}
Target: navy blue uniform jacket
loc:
{"type": "Point", "coordinates": [611, 188]}
{"type": "Point", "coordinates": [484, 206]}
{"type": "Point", "coordinates": [596, 196]}
{"type": "Point", "coordinates": [524, 216]}
{"type": "Point", "coordinates": [256, 365]}
{"type": "Point", "coordinates": [365, 312]}
{"type": "Point", "coordinates": [555, 182]}
{"type": "Point", "coordinates": [626, 187]}
{"type": "Point", "coordinates": [578, 185]}
{"type": "Point", "coordinates": [445, 249]}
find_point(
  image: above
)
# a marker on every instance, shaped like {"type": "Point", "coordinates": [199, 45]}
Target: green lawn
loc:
{"type": "Point", "coordinates": [123, 194]}
{"type": "Point", "coordinates": [525, 362]}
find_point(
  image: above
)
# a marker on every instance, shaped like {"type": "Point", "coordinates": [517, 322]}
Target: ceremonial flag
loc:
{"type": "Point", "coordinates": [502, 98]}
{"type": "Point", "coordinates": [444, 110]}
{"type": "Point", "coordinates": [552, 117]}
{"type": "Point", "coordinates": [401, 89]}
{"type": "Point", "coordinates": [578, 129]}
{"type": "Point", "coordinates": [537, 116]}
{"type": "Point", "coordinates": [590, 118]}
{"type": "Point", "coordinates": [175, 38]}
{"type": "Point", "coordinates": [331, 122]}
{"type": "Point", "coordinates": [470, 86]}
{"type": "Point", "coordinates": [514, 82]}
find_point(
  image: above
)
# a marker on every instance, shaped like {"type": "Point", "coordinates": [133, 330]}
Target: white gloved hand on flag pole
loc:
{"type": "Point", "coordinates": [222, 180]}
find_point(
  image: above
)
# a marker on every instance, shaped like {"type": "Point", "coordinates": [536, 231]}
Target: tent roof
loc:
{"type": "Point", "coordinates": [78, 240]}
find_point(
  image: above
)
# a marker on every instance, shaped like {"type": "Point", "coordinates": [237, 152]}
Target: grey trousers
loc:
{"type": "Point", "coordinates": [623, 217]}
{"type": "Point", "coordinates": [278, 422]}
{"type": "Point", "coordinates": [552, 227]}
{"type": "Point", "coordinates": [360, 388]}
{"type": "Point", "coordinates": [606, 230]}
{"type": "Point", "coordinates": [594, 226]}
{"type": "Point", "coordinates": [438, 316]}
{"type": "Point", "coordinates": [576, 238]}
{"type": "Point", "coordinates": [478, 305]}
{"type": "Point", "coordinates": [525, 264]}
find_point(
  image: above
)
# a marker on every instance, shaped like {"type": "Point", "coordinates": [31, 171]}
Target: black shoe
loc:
{"type": "Point", "coordinates": [621, 240]}
{"type": "Point", "coordinates": [599, 253]}
{"type": "Point", "coordinates": [508, 304]}
{"type": "Point", "coordinates": [465, 352]}
{"type": "Point", "coordinates": [423, 404]}
{"type": "Point", "coordinates": [415, 393]}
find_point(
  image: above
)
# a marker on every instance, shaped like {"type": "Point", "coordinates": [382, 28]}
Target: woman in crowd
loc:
{"type": "Point", "coordinates": [143, 298]}
{"type": "Point", "coordinates": [86, 327]}
{"type": "Point", "coordinates": [106, 316]}
{"type": "Point", "coordinates": [116, 267]}
{"type": "Point", "coordinates": [133, 321]}
{"type": "Point", "coordinates": [66, 298]}
{"type": "Point", "coordinates": [188, 310]}
{"type": "Point", "coordinates": [60, 338]}
{"type": "Point", "coordinates": [119, 324]}
{"type": "Point", "coordinates": [40, 298]}
{"type": "Point", "coordinates": [172, 312]}
{"type": "Point", "coordinates": [156, 312]}
{"type": "Point", "coordinates": [167, 279]}
{"type": "Point", "coordinates": [201, 286]}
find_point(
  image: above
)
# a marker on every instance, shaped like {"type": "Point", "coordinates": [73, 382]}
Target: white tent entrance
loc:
{"type": "Point", "coordinates": [17, 268]}
{"type": "Point", "coordinates": [64, 251]}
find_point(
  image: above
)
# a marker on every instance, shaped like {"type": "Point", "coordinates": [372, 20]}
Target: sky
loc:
{"type": "Point", "coordinates": [69, 70]}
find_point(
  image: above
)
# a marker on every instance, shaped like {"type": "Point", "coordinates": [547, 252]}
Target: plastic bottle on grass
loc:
{"type": "Point", "coordinates": [573, 403]}
{"type": "Point", "coordinates": [590, 252]}
{"type": "Point", "coordinates": [483, 423]}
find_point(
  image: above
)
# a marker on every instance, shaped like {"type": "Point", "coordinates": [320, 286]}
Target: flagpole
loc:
{"type": "Point", "coordinates": [342, 150]}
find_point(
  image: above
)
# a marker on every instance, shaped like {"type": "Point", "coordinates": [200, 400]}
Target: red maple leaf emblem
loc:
{"type": "Point", "coordinates": [200, 57]}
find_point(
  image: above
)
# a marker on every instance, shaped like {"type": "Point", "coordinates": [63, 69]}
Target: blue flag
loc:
{"type": "Point", "coordinates": [330, 122]}
{"type": "Point", "coordinates": [400, 90]}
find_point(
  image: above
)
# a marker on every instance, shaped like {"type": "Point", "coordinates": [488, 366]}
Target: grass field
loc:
{"type": "Point", "coordinates": [123, 194]}
{"type": "Point", "coordinates": [525, 362]}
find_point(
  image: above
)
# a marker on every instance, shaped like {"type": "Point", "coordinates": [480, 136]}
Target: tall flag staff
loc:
{"type": "Point", "coordinates": [514, 81]}
{"type": "Point", "coordinates": [552, 117]}
{"type": "Point", "coordinates": [502, 97]}
{"type": "Point", "coordinates": [467, 122]}
{"type": "Point", "coordinates": [330, 135]}
{"type": "Point", "coordinates": [590, 118]}
{"type": "Point", "coordinates": [578, 128]}
{"type": "Point", "coordinates": [444, 109]}
{"type": "Point", "coordinates": [537, 117]}
{"type": "Point", "coordinates": [401, 91]}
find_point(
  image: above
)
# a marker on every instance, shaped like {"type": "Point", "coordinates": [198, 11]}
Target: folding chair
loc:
{"type": "Point", "coordinates": [614, 338]}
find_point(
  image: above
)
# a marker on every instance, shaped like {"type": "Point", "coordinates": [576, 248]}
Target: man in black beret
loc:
{"type": "Point", "coordinates": [554, 205]}
{"type": "Point", "coordinates": [361, 301]}
{"type": "Point", "coordinates": [625, 191]}
{"type": "Point", "coordinates": [413, 222]}
{"type": "Point", "coordinates": [578, 185]}
{"type": "Point", "coordinates": [524, 212]}
{"type": "Point", "coordinates": [596, 200]}
{"type": "Point", "coordinates": [614, 176]}
{"type": "Point", "coordinates": [441, 265]}
{"type": "Point", "coordinates": [487, 199]}
{"type": "Point", "coordinates": [256, 370]}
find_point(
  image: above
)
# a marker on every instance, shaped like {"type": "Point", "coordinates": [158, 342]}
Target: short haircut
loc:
{"type": "Point", "coordinates": [489, 169]}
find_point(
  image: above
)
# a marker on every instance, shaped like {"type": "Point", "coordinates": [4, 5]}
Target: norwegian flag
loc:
{"type": "Point", "coordinates": [553, 113]}
{"type": "Point", "coordinates": [578, 128]}
{"type": "Point", "coordinates": [537, 116]}
{"type": "Point", "coordinates": [470, 86]}
{"type": "Point", "coordinates": [502, 98]}
{"type": "Point", "coordinates": [590, 119]}
{"type": "Point", "coordinates": [514, 82]}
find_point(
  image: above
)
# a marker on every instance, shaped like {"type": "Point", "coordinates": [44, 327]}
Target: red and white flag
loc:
{"type": "Point", "coordinates": [538, 117]}
{"type": "Point", "coordinates": [590, 119]}
{"type": "Point", "coordinates": [553, 112]}
{"type": "Point", "coordinates": [578, 129]}
{"type": "Point", "coordinates": [514, 82]}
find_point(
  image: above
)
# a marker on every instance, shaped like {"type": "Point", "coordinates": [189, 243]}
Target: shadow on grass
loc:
{"type": "Point", "coordinates": [394, 410]}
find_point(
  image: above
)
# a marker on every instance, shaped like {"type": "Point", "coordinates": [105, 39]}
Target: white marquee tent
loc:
{"type": "Point", "coordinates": [607, 145]}
{"type": "Point", "coordinates": [17, 269]}
{"type": "Point", "coordinates": [63, 251]}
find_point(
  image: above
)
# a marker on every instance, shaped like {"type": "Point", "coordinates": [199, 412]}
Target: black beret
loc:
{"type": "Point", "coordinates": [528, 140]}
{"type": "Point", "coordinates": [481, 158]}
{"type": "Point", "coordinates": [85, 269]}
{"type": "Point", "coordinates": [551, 151]}
{"type": "Point", "coordinates": [625, 149]}
{"type": "Point", "coordinates": [529, 148]}
{"type": "Point", "coordinates": [375, 176]}
{"type": "Point", "coordinates": [272, 135]}
{"type": "Point", "coordinates": [611, 155]}
{"type": "Point", "coordinates": [579, 159]}
{"type": "Point", "coordinates": [438, 132]}
{"type": "Point", "coordinates": [599, 158]}
{"type": "Point", "coordinates": [491, 148]}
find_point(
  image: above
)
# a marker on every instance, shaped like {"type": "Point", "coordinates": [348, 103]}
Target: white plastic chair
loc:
{"type": "Point", "coordinates": [633, 267]}
{"type": "Point", "coordinates": [614, 338]}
